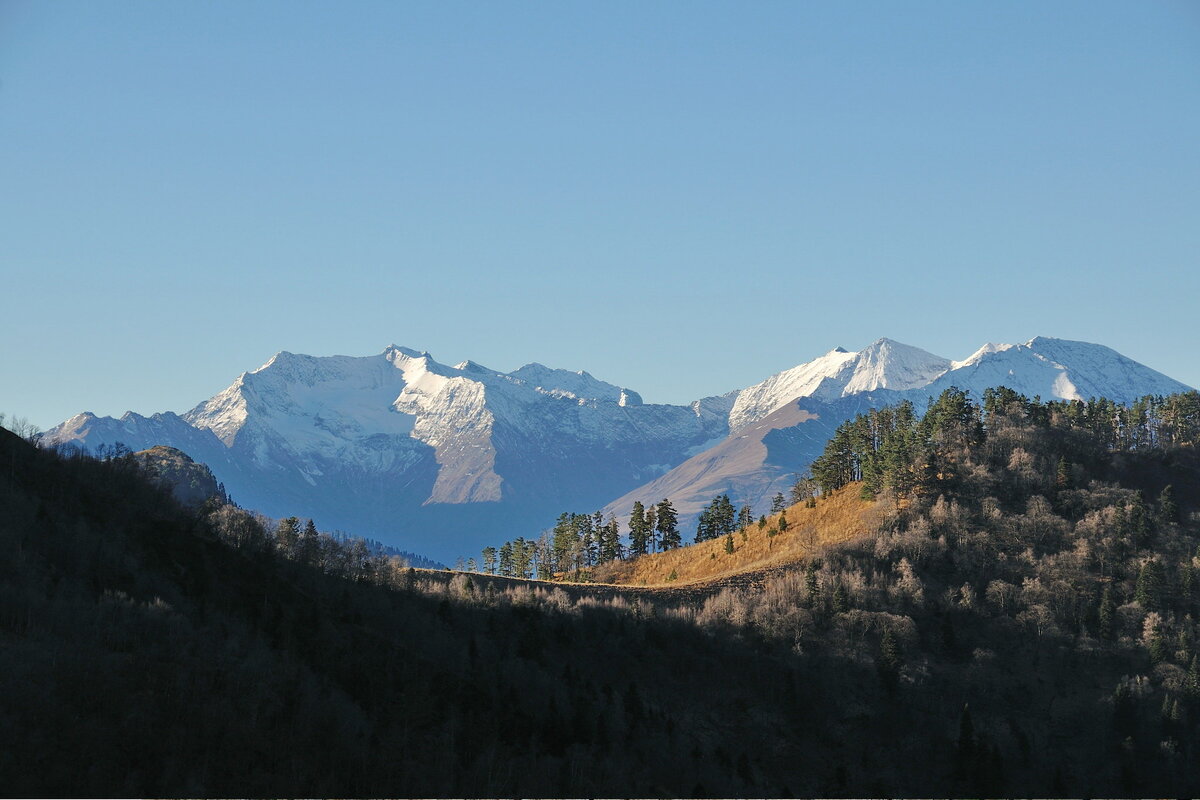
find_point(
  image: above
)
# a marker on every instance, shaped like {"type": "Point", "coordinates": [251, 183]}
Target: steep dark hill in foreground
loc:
{"type": "Point", "coordinates": [1023, 623]}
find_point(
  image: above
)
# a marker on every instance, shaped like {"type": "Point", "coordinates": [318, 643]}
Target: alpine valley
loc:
{"type": "Point", "coordinates": [441, 460]}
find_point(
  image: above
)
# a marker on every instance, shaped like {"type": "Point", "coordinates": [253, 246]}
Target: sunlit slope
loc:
{"type": "Point", "coordinates": [840, 517]}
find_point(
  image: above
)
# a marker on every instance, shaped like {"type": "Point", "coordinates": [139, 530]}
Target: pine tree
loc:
{"type": "Point", "coordinates": [667, 522]}
{"type": "Point", "coordinates": [728, 543]}
{"type": "Point", "coordinates": [1108, 609]}
{"type": "Point", "coordinates": [610, 540]}
{"type": "Point", "coordinates": [841, 598]}
{"type": "Point", "coordinates": [652, 527]}
{"type": "Point", "coordinates": [745, 518]}
{"type": "Point", "coordinates": [1139, 524]}
{"type": "Point", "coordinates": [783, 522]}
{"type": "Point", "coordinates": [1168, 510]}
{"type": "Point", "coordinates": [308, 548]}
{"type": "Point", "coordinates": [716, 519]}
{"type": "Point", "coordinates": [1062, 475]}
{"type": "Point", "coordinates": [614, 532]}
{"type": "Point", "coordinates": [1157, 646]}
{"type": "Point", "coordinates": [1149, 589]}
{"type": "Point", "coordinates": [524, 557]}
{"type": "Point", "coordinates": [638, 534]}
{"type": "Point", "coordinates": [777, 503]}
{"type": "Point", "coordinates": [489, 560]}
{"type": "Point", "coordinates": [564, 543]}
{"type": "Point", "coordinates": [1191, 683]}
{"type": "Point", "coordinates": [589, 542]}
{"type": "Point", "coordinates": [812, 589]}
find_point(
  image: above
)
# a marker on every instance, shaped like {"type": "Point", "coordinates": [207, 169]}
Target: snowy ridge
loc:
{"type": "Point", "coordinates": [780, 425]}
{"type": "Point", "coordinates": [884, 364]}
{"type": "Point", "coordinates": [441, 459]}
{"type": "Point", "coordinates": [1056, 369]}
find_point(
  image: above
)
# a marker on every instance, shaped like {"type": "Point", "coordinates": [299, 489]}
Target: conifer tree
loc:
{"type": "Point", "coordinates": [1168, 510]}
{"type": "Point", "coordinates": [1157, 646]}
{"type": "Point", "coordinates": [667, 522]}
{"type": "Point", "coordinates": [745, 518]}
{"type": "Point", "coordinates": [841, 598]}
{"type": "Point", "coordinates": [724, 515]}
{"type": "Point", "coordinates": [1062, 475]}
{"type": "Point", "coordinates": [1108, 609]}
{"type": "Point", "coordinates": [309, 546]}
{"type": "Point", "coordinates": [1191, 683]}
{"type": "Point", "coordinates": [812, 589]}
{"type": "Point", "coordinates": [589, 543]}
{"type": "Point", "coordinates": [639, 536]}
{"type": "Point", "coordinates": [777, 503]}
{"type": "Point", "coordinates": [1149, 589]}
{"type": "Point", "coordinates": [1139, 524]}
{"type": "Point", "coordinates": [705, 525]}
{"type": "Point", "coordinates": [651, 527]}
{"type": "Point", "coordinates": [610, 540]}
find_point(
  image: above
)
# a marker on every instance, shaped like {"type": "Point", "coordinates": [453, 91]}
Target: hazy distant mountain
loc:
{"type": "Point", "coordinates": [441, 459]}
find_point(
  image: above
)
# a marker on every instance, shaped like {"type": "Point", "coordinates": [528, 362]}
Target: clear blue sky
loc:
{"type": "Point", "coordinates": [678, 197]}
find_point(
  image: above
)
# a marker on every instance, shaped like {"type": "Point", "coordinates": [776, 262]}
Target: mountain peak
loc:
{"type": "Point", "coordinates": [888, 364]}
{"type": "Point", "coordinates": [394, 349]}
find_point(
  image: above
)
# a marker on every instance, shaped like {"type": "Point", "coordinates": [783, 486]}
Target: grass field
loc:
{"type": "Point", "coordinates": [838, 518]}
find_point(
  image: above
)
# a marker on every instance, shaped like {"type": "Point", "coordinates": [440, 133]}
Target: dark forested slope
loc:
{"type": "Point", "coordinates": [1023, 622]}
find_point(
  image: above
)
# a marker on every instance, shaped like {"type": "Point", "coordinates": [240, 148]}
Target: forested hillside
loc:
{"type": "Point", "coordinates": [1021, 620]}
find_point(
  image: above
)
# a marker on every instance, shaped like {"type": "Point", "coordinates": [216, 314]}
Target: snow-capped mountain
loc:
{"type": "Point", "coordinates": [412, 452]}
{"type": "Point", "coordinates": [442, 459]}
{"type": "Point", "coordinates": [1057, 369]}
{"type": "Point", "coordinates": [780, 425]}
{"type": "Point", "coordinates": [884, 364]}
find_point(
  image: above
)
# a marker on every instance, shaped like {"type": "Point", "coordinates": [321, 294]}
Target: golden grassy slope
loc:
{"type": "Point", "coordinates": [838, 518]}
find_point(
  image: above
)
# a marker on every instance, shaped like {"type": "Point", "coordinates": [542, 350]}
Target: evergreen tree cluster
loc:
{"type": "Point", "coordinates": [717, 519]}
{"type": "Point", "coordinates": [892, 450]}
{"type": "Point", "coordinates": [578, 542]}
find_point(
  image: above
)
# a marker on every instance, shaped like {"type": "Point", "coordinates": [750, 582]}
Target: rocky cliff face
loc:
{"type": "Point", "coordinates": [192, 484]}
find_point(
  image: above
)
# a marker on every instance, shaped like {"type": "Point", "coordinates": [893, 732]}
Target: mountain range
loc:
{"type": "Point", "coordinates": [444, 459]}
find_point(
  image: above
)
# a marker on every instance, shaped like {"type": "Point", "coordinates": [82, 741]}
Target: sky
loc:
{"type": "Point", "coordinates": [681, 198]}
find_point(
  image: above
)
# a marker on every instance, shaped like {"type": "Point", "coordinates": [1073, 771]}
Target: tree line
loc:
{"type": "Point", "coordinates": [893, 450]}
{"type": "Point", "coordinates": [578, 542]}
